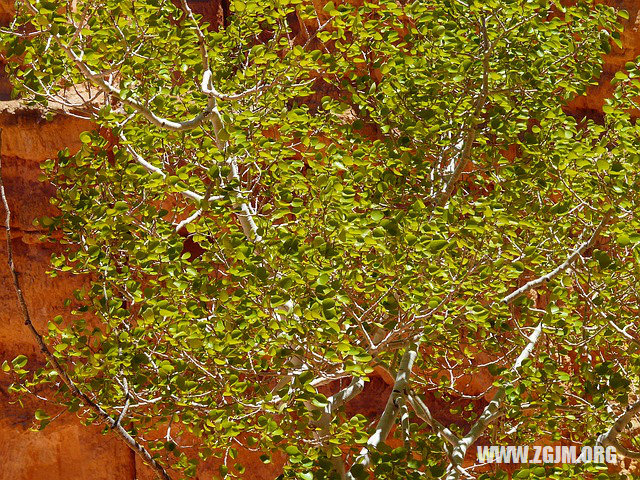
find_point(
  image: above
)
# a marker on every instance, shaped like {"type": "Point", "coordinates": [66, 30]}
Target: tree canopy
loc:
{"type": "Point", "coordinates": [271, 211]}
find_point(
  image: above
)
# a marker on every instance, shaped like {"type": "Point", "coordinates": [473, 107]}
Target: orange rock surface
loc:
{"type": "Point", "coordinates": [67, 450]}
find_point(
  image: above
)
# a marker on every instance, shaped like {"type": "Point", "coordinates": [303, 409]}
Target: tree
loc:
{"type": "Point", "coordinates": [270, 212]}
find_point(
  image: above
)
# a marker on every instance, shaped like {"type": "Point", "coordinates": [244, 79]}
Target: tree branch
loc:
{"type": "Point", "coordinates": [347, 394]}
{"type": "Point", "coordinates": [131, 442]}
{"type": "Point", "coordinates": [153, 169]}
{"type": "Point", "coordinates": [211, 112]}
{"type": "Point", "coordinates": [392, 408]}
{"type": "Point", "coordinates": [333, 403]}
{"type": "Point", "coordinates": [492, 410]}
{"type": "Point", "coordinates": [202, 44]}
{"type": "Point", "coordinates": [470, 137]}
{"type": "Point", "coordinates": [560, 268]}
{"type": "Point", "coordinates": [623, 331]}
{"type": "Point", "coordinates": [423, 412]}
{"type": "Point", "coordinates": [97, 79]}
{"type": "Point", "coordinates": [610, 438]}
{"type": "Point", "coordinates": [208, 88]}
{"type": "Point", "coordinates": [490, 413]}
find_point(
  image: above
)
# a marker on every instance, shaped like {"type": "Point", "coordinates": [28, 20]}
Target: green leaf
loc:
{"type": "Point", "coordinates": [329, 7]}
{"type": "Point", "coordinates": [292, 450]}
{"type": "Point", "coordinates": [624, 240]}
{"type": "Point", "coordinates": [41, 415]}
{"type": "Point", "coordinates": [437, 245]}
{"type": "Point", "coordinates": [602, 164]}
{"type": "Point", "coordinates": [20, 361]}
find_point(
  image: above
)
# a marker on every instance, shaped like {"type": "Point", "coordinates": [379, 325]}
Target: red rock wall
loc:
{"type": "Point", "coordinates": [66, 450]}
{"type": "Point", "coordinates": [591, 104]}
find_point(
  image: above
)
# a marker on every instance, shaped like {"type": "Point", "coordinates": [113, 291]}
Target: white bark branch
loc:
{"type": "Point", "coordinates": [470, 137]}
{"type": "Point", "coordinates": [391, 410]}
{"type": "Point", "coordinates": [490, 413]}
{"type": "Point", "coordinates": [189, 219]}
{"type": "Point", "coordinates": [343, 396]}
{"type": "Point", "coordinates": [423, 412]}
{"type": "Point", "coordinates": [610, 437]}
{"type": "Point", "coordinates": [560, 268]}
{"type": "Point", "coordinates": [153, 169]}
{"type": "Point", "coordinates": [210, 112]}
{"type": "Point", "coordinates": [208, 88]}
{"type": "Point", "coordinates": [98, 79]}
{"type": "Point", "coordinates": [333, 403]}
{"type": "Point", "coordinates": [202, 44]}
{"type": "Point", "coordinates": [492, 410]}
{"type": "Point", "coordinates": [623, 331]}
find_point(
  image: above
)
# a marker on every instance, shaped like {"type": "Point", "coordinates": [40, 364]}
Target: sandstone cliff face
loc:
{"type": "Point", "coordinates": [591, 104]}
{"type": "Point", "coordinates": [66, 450]}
